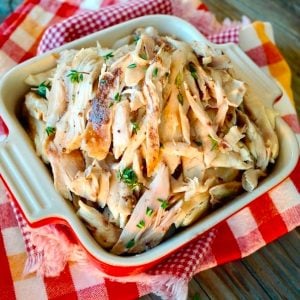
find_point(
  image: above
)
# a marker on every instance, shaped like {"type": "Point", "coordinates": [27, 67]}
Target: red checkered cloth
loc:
{"type": "Point", "coordinates": [264, 220]}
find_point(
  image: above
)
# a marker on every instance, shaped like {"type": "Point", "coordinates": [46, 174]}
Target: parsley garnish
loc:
{"type": "Point", "coordinates": [103, 81]}
{"type": "Point", "coordinates": [141, 224]}
{"type": "Point", "coordinates": [155, 72]}
{"type": "Point", "coordinates": [179, 79]}
{"type": "Point", "coordinates": [193, 70]}
{"type": "Point", "coordinates": [143, 56]}
{"type": "Point", "coordinates": [117, 97]}
{"type": "Point", "coordinates": [129, 177]}
{"type": "Point", "coordinates": [149, 211]}
{"type": "Point", "coordinates": [130, 244]}
{"type": "Point", "coordinates": [180, 98]}
{"type": "Point", "coordinates": [164, 203]}
{"type": "Point", "coordinates": [41, 89]}
{"type": "Point", "coordinates": [50, 130]}
{"type": "Point", "coordinates": [132, 66]}
{"type": "Point", "coordinates": [107, 56]}
{"type": "Point", "coordinates": [214, 143]}
{"type": "Point", "coordinates": [136, 38]}
{"type": "Point", "coordinates": [135, 127]}
{"type": "Point", "coordinates": [76, 76]}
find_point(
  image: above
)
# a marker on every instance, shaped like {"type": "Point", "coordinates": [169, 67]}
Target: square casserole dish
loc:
{"type": "Point", "coordinates": [30, 181]}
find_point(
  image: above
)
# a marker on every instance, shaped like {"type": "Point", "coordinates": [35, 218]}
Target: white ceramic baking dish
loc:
{"type": "Point", "coordinates": [31, 183]}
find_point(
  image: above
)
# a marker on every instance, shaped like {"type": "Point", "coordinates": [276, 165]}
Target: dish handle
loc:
{"type": "Point", "coordinates": [30, 183]}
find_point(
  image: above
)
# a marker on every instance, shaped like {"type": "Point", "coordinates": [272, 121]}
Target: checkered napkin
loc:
{"type": "Point", "coordinates": [264, 220]}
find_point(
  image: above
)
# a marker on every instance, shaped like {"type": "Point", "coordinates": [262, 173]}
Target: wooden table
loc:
{"type": "Point", "coordinates": [274, 271]}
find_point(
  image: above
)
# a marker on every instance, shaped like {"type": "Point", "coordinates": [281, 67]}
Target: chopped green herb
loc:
{"type": "Point", "coordinates": [164, 203]}
{"type": "Point", "coordinates": [129, 177]}
{"type": "Point", "coordinates": [41, 89]}
{"type": "Point", "coordinates": [143, 56]}
{"type": "Point", "coordinates": [198, 143]}
{"type": "Point", "coordinates": [130, 244]}
{"type": "Point", "coordinates": [179, 79]}
{"type": "Point", "coordinates": [103, 81]}
{"type": "Point", "coordinates": [180, 98]}
{"type": "Point", "coordinates": [76, 76]}
{"type": "Point", "coordinates": [214, 143]}
{"type": "Point", "coordinates": [111, 104]}
{"type": "Point", "coordinates": [155, 72]}
{"type": "Point", "coordinates": [149, 211]}
{"type": "Point", "coordinates": [135, 127]}
{"type": "Point", "coordinates": [193, 70]}
{"type": "Point", "coordinates": [136, 38]}
{"type": "Point", "coordinates": [141, 224]}
{"type": "Point", "coordinates": [108, 56]}
{"type": "Point", "coordinates": [50, 130]}
{"type": "Point", "coordinates": [117, 97]}
{"type": "Point", "coordinates": [132, 66]}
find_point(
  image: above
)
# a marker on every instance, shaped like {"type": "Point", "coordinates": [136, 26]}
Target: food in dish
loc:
{"type": "Point", "coordinates": [147, 136]}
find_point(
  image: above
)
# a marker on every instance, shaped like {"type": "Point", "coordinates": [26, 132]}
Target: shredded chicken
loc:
{"type": "Point", "coordinates": [148, 135]}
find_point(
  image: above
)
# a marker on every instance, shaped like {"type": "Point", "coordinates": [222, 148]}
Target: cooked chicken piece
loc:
{"type": "Point", "coordinates": [225, 191]}
{"type": "Point", "coordinates": [37, 79]}
{"type": "Point", "coordinates": [193, 167]}
{"type": "Point", "coordinates": [104, 188]}
{"type": "Point", "coordinates": [257, 111]}
{"type": "Point", "coordinates": [137, 166]}
{"type": "Point", "coordinates": [37, 132]}
{"type": "Point", "coordinates": [181, 149]}
{"type": "Point", "coordinates": [200, 113]}
{"type": "Point", "coordinates": [121, 128]}
{"type": "Point", "coordinates": [36, 106]}
{"type": "Point", "coordinates": [222, 174]}
{"type": "Point", "coordinates": [105, 233]}
{"type": "Point", "coordinates": [170, 126]}
{"type": "Point", "coordinates": [100, 121]}
{"type": "Point", "coordinates": [230, 160]}
{"type": "Point", "coordinates": [219, 62]}
{"type": "Point", "coordinates": [152, 135]}
{"type": "Point", "coordinates": [64, 166]}
{"type": "Point", "coordinates": [135, 142]}
{"type": "Point", "coordinates": [145, 210]}
{"type": "Point", "coordinates": [70, 129]}
{"type": "Point", "coordinates": [153, 235]}
{"type": "Point", "coordinates": [120, 200]}
{"type": "Point", "coordinates": [250, 179]}
{"type": "Point", "coordinates": [255, 142]}
{"type": "Point", "coordinates": [172, 161]}
{"type": "Point", "coordinates": [192, 209]}
{"type": "Point", "coordinates": [86, 184]}
{"type": "Point", "coordinates": [57, 98]}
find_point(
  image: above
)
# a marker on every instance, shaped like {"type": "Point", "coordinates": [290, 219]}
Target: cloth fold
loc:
{"type": "Point", "coordinates": [264, 220]}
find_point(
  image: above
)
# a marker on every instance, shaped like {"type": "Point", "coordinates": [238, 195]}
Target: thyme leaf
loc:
{"type": "Point", "coordinates": [129, 177]}
{"type": "Point", "coordinates": [42, 88]}
{"type": "Point", "coordinates": [164, 203]}
{"type": "Point", "coordinates": [149, 211]}
{"type": "Point", "coordinates": [108, 56]}
{"type": "Point", "coordinates": [155, 72]}
{"type": "Point", "coordinates": [130, 244]}
{"type": "Point", "coordinates": [132, 66]}
{"type": "Point", "coordinates": [141, 224]}
{"type": "Point", "coordinates": [76, 76]}
{"type": "Point", "coordinates": [135, 127]}
{"type": "Point", "coordinates": [214, 143]}
{"type": "Point", "coordinates": [180, 98]}
{"type": "Point", "coordinates": [50, 130]}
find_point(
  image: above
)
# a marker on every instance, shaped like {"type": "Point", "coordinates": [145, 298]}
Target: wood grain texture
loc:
{"type": "Point", "coordinates": [274, 271]}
